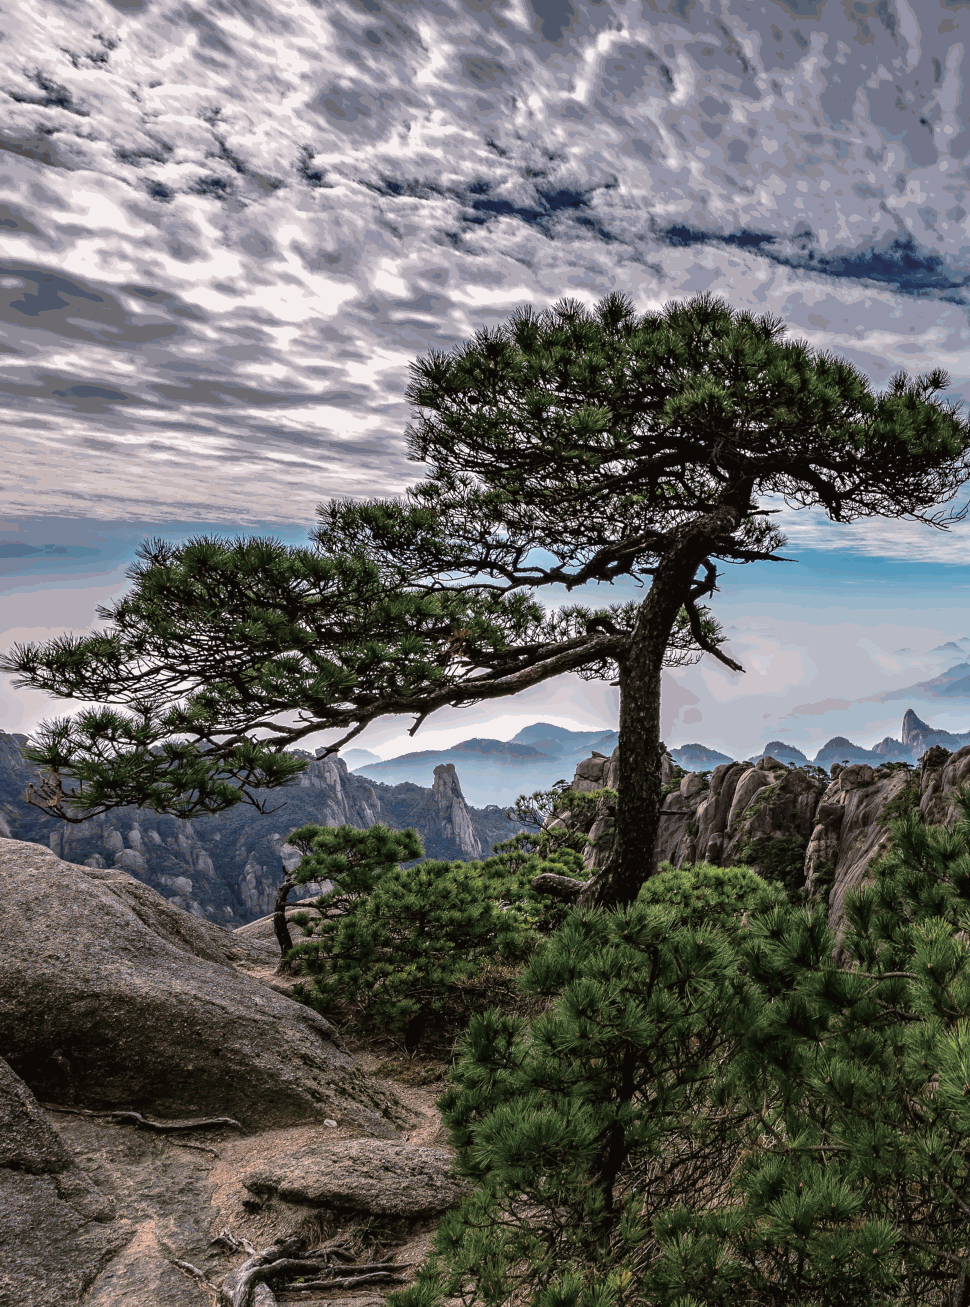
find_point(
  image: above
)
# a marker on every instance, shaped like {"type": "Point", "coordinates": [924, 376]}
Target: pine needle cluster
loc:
{"type": "Point", "coordinates": [394, 948]}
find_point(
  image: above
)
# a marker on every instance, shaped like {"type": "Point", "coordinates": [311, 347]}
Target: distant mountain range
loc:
{"type": "Point", "coordinates": [227, 866]}
{"type": "Point", "coordinates": [493, 771]}
{"type": "Point", "coordinates": [498, 771]}
{"type": "Point", "coordinates": [916, 737]}
{"type": "Point", "coordinates": [954, 683]}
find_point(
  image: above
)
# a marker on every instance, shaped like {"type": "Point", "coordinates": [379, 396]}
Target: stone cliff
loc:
{"type": "Point", "coordinates": [784, 822]}
{"type": "Point", "coordinates": [227, 867]}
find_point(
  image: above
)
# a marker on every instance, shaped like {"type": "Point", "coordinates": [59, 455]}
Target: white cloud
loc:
{"type": "Point", "coordinates": [259, 210]}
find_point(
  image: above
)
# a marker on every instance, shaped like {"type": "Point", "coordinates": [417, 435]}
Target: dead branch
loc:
{"type": "Point", "coordinates": [227, 1237]}
{"type": "Point", "coordinates": [188, 1269]}
{"type": "Point", "coordinates": [238, 1286]}
{"type": "Point", "coordinates": [560, 887]}
{"type": "Point", "coordinates": [376, 1277]}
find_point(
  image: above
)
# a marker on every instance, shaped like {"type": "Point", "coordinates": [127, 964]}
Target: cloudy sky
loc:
{"type": "Point", "coordinates": [225, 230]}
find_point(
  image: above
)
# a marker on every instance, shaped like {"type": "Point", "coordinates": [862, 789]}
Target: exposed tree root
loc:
{"type": "Point", "coordinates": [144, 1123]}
{"type": "Point", "coordinates": [283, 1261]}
{"type": "Point", "coordinates": [188, 1269]}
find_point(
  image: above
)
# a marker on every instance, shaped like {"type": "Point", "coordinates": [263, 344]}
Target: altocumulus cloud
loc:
{"type": "Point", "coordinates": [226, 229]}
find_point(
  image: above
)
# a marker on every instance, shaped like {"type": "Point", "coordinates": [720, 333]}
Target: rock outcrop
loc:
{"type": "Point", "coordinates": [364, 1176]}
{"type": "Point", "coordinates": [57, 1229]}
{"type": "Point", "coordinates": [446, 805]}
{"type": "Point", "coordinates": [228, 867]}
{"type": "Point", "coordinates": [110, 997]}
{"type": "Point", "coordinates": [781, 820]}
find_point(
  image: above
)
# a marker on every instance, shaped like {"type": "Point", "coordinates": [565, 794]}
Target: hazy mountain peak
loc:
{"type": "Point", "coordinates": [913, 726]}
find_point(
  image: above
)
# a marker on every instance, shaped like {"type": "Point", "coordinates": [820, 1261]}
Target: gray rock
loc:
{"type": "Point", "coordinates": [447, 805]}
{"type": "Point", "coordinates": [748, 786]}
{"type": "Point", "coordinates": [57, 1230]}
{"type": "Point", "coordinates": [365, 1176]}
{"type": "Point", "coordinates": [112, 998]}
{"type": "Point", "coordinates": [262, 934]}
{"type": "Point", "coordinates": [714, 808]}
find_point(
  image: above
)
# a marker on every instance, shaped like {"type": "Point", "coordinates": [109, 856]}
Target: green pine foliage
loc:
{"type": "Point", "coordinates": [577, 807]}
{"type": "Point", "coordinates": [703, 893]}
{"type": "Point", "coordinates": [725, 1104]}
{"type": "Point", "coordinates": [396, 948]}
{"type": "Point", "coordinates": [575, 1124]}
{"type": "Point", "coordinates": [780, 859]}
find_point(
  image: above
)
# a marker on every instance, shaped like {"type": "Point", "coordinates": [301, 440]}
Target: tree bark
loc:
{"type": "Point", "coordinates": [280, 925]}
{"type": "Point", "coordinates": [640, 747]}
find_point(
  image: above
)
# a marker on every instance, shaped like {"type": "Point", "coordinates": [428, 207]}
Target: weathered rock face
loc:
{"type": "Point", "coordinates": [918, 736]}
{"type": "Point", "coordinates": [365, 1176]}
{"type": "Point", "coordinates": [447, 808]}
{"type": "Point", "coordinates": [111, 997]}
{"type": "Point", "coordinates": [738, 812]}
{"type": "Point", "coordinates": [58, 1229]}
{"type": "Point", "coordinates": [228, 867]}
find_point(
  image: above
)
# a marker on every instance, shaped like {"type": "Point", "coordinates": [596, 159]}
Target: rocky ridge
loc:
{"type": "Point", "coordinates": [227, 867]}
{"type": "Point", "coordinates": [785, 821]}
{"type": "Point", "coordinates": [916, 736]}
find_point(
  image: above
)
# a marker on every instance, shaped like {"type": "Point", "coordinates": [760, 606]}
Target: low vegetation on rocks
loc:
{"type": "Point", "coordinates": [724, 1102]}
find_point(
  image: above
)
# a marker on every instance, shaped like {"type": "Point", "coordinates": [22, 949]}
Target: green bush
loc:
{"type": "Point", "coordinates": [570, 1123]}
{"type": "Point", "coordinates": [779, 860]}
{"type": "Point", "coordinates": [699, 893]}
{"type": "Point", "coordinates": [395, 946]}
{"type": "Point", "coordinates": [715, 1116]}
{"type": "Point", "coordinates": [564, 802]}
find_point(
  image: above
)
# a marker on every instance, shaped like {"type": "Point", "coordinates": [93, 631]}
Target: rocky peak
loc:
{"type": "Point", "coordinates": [914, 729]}
{"type": "Point", "coordinates": [783, 821]}
{"type": "Point", "coordinates": [783, 752]}
{"type": "Point", "coordinates": [447, 805]}
{"type": "Point", "coordinates": [228, 867]}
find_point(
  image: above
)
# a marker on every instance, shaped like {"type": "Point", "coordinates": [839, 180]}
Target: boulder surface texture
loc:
{"type": "Point", "coordinates": [365, 1175]}
{"type": "Point", "coordinates": [58, 1230]}
{"type": "Point", "coordinates": [111, 998]}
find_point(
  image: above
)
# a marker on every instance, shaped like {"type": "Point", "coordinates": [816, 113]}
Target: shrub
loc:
{"type": "Point", "coordinates": [779, 860]}
{"type": "Point", "coordinates": [699, 893]}
{"type": "Point", "coordinates": [572, 1124]}
{"type": "Point", "coordinates": [713, 1116]}
{"type": "Point", "coordinates": [398, 946]}
{"type": "Point", "coordinates": [574, 806]}
{"type": "Point", "coordinates": [855, 1186]}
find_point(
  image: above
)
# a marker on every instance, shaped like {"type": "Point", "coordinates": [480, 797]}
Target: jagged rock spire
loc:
{"type": "Point", "coordinates": [914, 729]}
{"type": "Point", "coordinates": [448, 807]}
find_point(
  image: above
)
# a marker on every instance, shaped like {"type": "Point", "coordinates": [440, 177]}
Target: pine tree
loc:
{"type": "Point", "coordinates": [858, 1188]}
{"type": "Point", "coordinates": [585, 1124]}
{"type": "Point", "coordinates": [611, 443]}
{"type": "Point", "coordinates": [728, 1106]}
{"type": "Point", "coordinates": [398, 947]}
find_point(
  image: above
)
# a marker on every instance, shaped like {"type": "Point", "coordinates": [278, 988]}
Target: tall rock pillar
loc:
{"type": "Point", "coordinates": [447, 809]}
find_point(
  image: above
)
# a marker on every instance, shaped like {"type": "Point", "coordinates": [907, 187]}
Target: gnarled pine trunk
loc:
{"type": "Point", "coordinates": [280, 924]}
{"type": "Point", "coordinates": [640, 747]}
